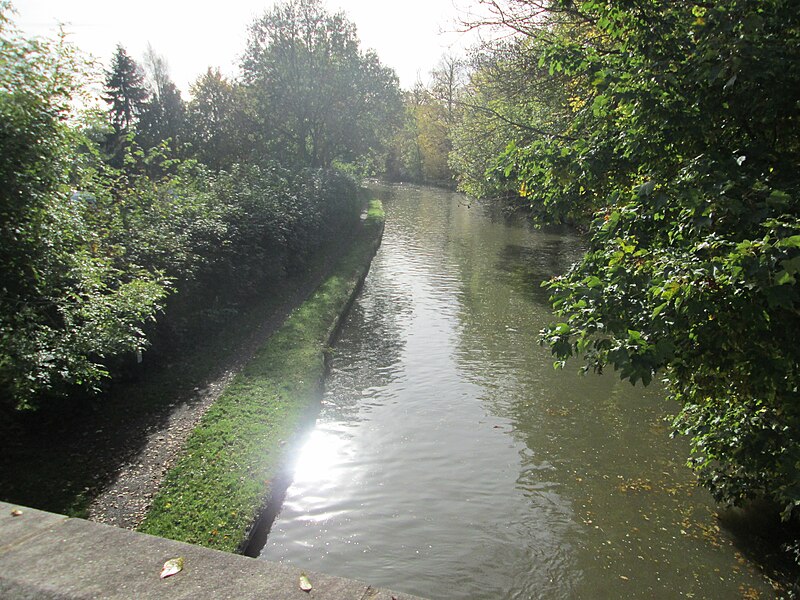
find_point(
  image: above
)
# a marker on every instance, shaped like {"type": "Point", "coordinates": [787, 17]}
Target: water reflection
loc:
{"type": "Point", "coordinates": [451, 460]}
{"type": "Point", "coordinates": [318, 462]}
{"type": "Point", "coordinates": [525, 267]}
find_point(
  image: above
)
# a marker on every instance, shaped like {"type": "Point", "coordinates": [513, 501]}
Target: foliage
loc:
{"type": "Point", "coordinates": [318, 97]}
{"type": "Point", "coordinates": [683, 135]}
{"type": "Point", "coordinates": [512, 102]}
{"type": "Point", "coordinates": [91, 251]}
{"type": "Point", "coordinates": [125, 90]}
{"type": "Point", "coordinates": [220, 121]}
{"type": "Point", "coordinates": [126, 95]}
{"type": "Point", "coordinates": [163, 115]}
{"type": "Point", "coordinates": [432, 139]}
{"type": "Point", "coordinates": [65, 306]}
{"type": "Point", "coordinates": [420, 148]}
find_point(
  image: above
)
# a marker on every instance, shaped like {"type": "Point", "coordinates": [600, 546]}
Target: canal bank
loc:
{"type": "Point", "coordinates": [233, 463]}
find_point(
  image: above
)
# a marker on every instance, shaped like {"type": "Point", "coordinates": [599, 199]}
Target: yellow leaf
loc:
{"type": "Point", "coordinates": [172, 566]}
{"type": "Point", "coordinates": [305, 583]}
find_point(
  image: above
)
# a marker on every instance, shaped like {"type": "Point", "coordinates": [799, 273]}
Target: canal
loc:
{"type": "Point", "coordinates": [450, 459]}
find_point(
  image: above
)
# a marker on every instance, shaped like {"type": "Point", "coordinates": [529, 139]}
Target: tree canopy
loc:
{"type": "Point", "coordinates": [672, 136]}
{"type": "Point", "coordinates": [125, 90]}
{"type": "Point", "coordinates": [319, 97]}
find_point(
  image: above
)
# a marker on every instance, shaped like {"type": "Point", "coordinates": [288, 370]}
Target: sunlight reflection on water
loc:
{"type": "Point", "coordinates": [319, 458]}
{"type": "Point", "coordinates": [450, 460]}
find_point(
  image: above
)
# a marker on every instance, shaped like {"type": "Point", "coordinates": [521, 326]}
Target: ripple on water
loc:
{"type": "Point", "coordinates": [450, 460]}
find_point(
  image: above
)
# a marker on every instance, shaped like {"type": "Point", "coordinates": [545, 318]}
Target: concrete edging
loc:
{"type": "Point", "coordinates": [53, 557]}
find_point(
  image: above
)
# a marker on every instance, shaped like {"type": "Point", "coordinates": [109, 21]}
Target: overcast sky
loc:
{"type": "Point", "coordinates": [409, 35]}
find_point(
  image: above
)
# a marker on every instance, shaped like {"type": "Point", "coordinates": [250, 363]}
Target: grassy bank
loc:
{"type": "Point", "coordinates": [215, 492]}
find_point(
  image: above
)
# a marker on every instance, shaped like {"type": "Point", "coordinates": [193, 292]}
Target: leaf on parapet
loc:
{"type": "Point", "coordinates": [172, 566]}
{"type": "Point", "coordinates": [305, 583]}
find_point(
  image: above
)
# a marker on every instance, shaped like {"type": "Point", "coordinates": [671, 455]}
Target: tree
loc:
{"type": "Point", "coordinates": [420, 149]}
{"type": "Point", "coordinates": [448, 84]}
{"type": "Point", "coordinates": [318, 96]}
{"type": "Point", "coordinates": [511, 100]}
{"type": "Point", "coordinates": [163, 115]}
{"type": "Point", "coordinates": [684, 137]}
{"type": "Point", "coordinates": [219, 121]}
{"type": "Point", "coordinates": [404, 157]}
{"type": "Point", "coordinates": [126, 95]}
{"type": "Point", "coordinates": [66, 306]}
{"type": "Point", "coordinates": [125, 91]}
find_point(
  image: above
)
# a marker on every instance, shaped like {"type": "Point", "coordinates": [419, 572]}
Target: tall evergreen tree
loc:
{"type": "Point", "coordinates": [125, 91]}
{"type": "Point", "coordinates": [126, 94]}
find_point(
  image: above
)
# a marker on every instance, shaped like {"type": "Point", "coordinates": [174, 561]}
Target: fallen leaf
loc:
{"type": "Point", "coordinates": [172, 566]}
{"type": "Point", "coordinates": [16, 513]}
{"type": "Point", "coordinates": [305, 584]}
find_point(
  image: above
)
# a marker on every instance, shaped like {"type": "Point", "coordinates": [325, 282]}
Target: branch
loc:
{"type": "Point", "coordinates": [493, 113]}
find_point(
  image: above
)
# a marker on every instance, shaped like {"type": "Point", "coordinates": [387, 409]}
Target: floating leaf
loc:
{"type": "Point", "coordinates": [305, 583]}
{"type": "Point", "coordinates": [172, 566]}
{"type": "Point", "coordinates": [16, 513]}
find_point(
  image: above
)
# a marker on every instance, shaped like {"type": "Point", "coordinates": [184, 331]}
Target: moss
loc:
{"type": "Point", "coordinates": [220, 484]}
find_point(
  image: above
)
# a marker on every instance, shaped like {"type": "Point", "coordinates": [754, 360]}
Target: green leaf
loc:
{"type": "Point", "coordinates": [660, 308]}
{"type": "Point", "coordinates": [562, 329]}
{"type": "Point", "coordinates": [791, 265]}
{"type": "Point", "coordinates": [790, 242]}
{"type": "Point", "coordinates": [593, 281]}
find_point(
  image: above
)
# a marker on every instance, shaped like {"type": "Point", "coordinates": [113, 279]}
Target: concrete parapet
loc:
{"type": "Point", "coordinates": [49, 556]}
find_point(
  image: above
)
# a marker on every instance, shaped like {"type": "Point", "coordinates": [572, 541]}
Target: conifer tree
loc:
{"type": "Point", "coordinates": [125, 91]}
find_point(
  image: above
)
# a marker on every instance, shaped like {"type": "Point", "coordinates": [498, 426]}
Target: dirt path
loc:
{"type": "Point", "coordinates": [150, 444]}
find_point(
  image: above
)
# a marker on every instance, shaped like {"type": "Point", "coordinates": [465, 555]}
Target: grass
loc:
{"type": "Point", "coordinates": [375, 212]}
{"type": "Point", "coordinates": [60, 458]}
{"type": "Point", "coordinates": [42, 465]}
{"type": "Point", "coordinates": [220, 484]}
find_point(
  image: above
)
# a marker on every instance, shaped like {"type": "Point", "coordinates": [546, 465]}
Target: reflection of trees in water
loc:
{"type": "Point", "coordinates": [591, 449]}
{"type": "Point", "coordinates": [527, 267]}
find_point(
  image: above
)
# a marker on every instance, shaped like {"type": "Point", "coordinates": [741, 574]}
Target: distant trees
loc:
{"type": "Point", "coordinates": [309, 97]}
{"type": "Point", "coordinates": [511, 98]}
{"type": "Point", "coordinates": [420, 150]}
{"type": "Point", "coordinates": [220, 122]}
{"type": "Point", "coordinates": [318, 97]}
{"type": "Point", "coordinates": [163, 114]}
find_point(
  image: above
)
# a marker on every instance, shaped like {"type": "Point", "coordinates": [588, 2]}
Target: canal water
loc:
{"type": "Point", "coordinates": [451, 460]}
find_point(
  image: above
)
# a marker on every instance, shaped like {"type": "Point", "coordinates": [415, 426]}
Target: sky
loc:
{"type": "Point", "coordinates": [409, 35]}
